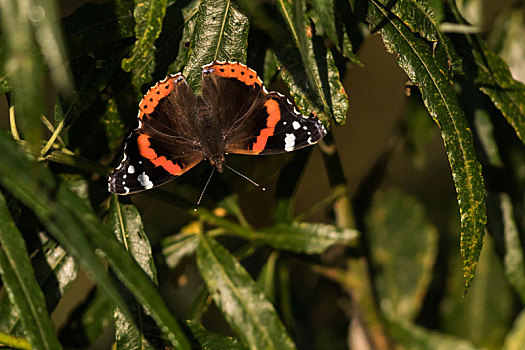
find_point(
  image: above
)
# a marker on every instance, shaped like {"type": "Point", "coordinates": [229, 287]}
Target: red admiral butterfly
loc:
{"type": "Point", "coordinates": [235, 114]}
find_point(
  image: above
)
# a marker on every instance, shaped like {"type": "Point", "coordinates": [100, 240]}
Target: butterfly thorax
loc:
{"type": "Point", "coordinates": [212, 140]}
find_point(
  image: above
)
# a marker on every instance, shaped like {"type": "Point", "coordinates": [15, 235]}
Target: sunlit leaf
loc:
{"type": "Point", "coordinates": [239, 298]}
{"type": "Point", "coordinates": [416, 58]}
{"type": "Point", "coordinates": [220, 33]}
{"type": "Point", "coordinates": [19, 280]}
{"type": "Point", "coordinates": [210, 340]}
{"type": "Point", "coordinates": [308, 68]}
{"type": "Point", "coordinates": [148, 15]}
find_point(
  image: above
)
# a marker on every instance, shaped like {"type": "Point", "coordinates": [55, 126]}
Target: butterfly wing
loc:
{"type": "Point", "coordinates": [163, 145]}
{"type": "Point", "coordinates": [255, 121]}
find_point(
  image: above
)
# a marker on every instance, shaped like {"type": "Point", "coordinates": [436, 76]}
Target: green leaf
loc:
{"type": "Point", "coordinates": [491, 75]}
{"type": "Point", "coordinates": [416, 58]}
{"type": "Point", "coordinates": [76, 227]}
{"type": "Point", "coordinates": [403, 246]}
{"type": "Point", "coordinates": [54, 269]}
{"type": "Point", "coordinates": [125, 222]}
{"type": "Point", "coordinates": [176, 247]}
{"type": "Point", "coordinates": [308, 68]}
{"type": "Point", "coordinates": [189, 14]}
{"type": "Point", "coordinates": [309, 238]}
{"type": "Point", "coordinates": [19, 280]}
{"type": "Point", "coordinates": [221, 33]}
{"type": "Point", "coordinates": [148, 25]}
{"type": "Point", "coordinates": [242, 303]}
{"type": "Point", "coordinates": [94, 26]}
{"type": "Point", "coordinates": [210, 340]}
{"type": "Point", "coordinates": [330, 17]}
{"type": "Point", "coordinates": [411, 336]}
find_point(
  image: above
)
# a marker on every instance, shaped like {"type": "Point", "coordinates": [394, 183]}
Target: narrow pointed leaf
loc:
{"type": "Point", "coordinates": [189, 14]}
{"type": "Point", "coordinates": [126, 224]}
{"type": "Point", "coordinates": [419, 16]}
{"type": "Point", "coordinates": [308, 67]}
{"type": "Point", "coordinates": [515, 339]}
{"type": "Point", "coordinates": [492, 76]}
{"type": "Point", "coordinates": [19, 280]}
{"type": "Point", "coordinates": [221, 33]}
{"type": "Point", "coordinates": [241, 301]}
{"type": "Point", "coordinates": [55, 270]}
{"type": "Point", "coordinates": [416, 58]}
{"type": "Point", "coordinates": [330, 16]}
{"type": "Point", "coordinates": [76, 227]}
{"type": "Point", "coordinates": [306, 237]}
{"type": "Point", "coordinates": [148, 25]}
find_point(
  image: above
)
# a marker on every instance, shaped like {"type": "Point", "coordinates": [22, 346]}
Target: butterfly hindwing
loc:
{"type": "Point", "coordinates": [162, 147]}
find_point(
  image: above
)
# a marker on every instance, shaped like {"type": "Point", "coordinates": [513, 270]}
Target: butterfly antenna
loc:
{"type": "Point", "coordinates": [204, 189]}
{"type": "Point", "coordinates": [245, 177]}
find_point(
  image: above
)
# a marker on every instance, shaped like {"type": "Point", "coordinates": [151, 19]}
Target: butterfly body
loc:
{"type": "Point", "coordinates": [235, 114]}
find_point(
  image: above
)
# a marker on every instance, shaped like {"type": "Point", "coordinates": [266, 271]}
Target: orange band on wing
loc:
{"type": "Point", "coordinates": [274, 115]}
{"type": "Point", "coordinates": [155, 94]}
{"type": "Point", "coordinates": [237, 71]}
{"type": "Point", "coordinates": [145, 150]}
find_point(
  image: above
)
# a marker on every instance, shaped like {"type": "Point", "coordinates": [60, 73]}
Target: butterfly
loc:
{"type": "Point", "coordinates": [235, 114]}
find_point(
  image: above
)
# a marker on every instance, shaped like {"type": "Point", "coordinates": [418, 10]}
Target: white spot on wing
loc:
{"type": "Point", "coordinates": [296, 125]}
{"type": "Point", "coordinates": [304, 127]}
{"type": "Point", "coordinates": [309, 140]}
{"type": "Point", "coordinates": [289, 142]}
{"type": "Point", "coordinates": [131, 169]}
{"type": "Point", "coordinates": [284, 123]}
{"type": "Point", "coordinates": [144, 181]}
{"type": "Point", "coordinates": [126, 189]}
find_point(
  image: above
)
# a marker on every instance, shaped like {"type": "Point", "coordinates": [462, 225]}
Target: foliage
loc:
{"type": "Point", "coordinates": [404, 269]}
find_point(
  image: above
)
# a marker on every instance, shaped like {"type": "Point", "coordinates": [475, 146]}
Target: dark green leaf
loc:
{"type": "Point", "coordinates": [492, 76]}
{"type": "Point", "coordinates": [329, 17]}
{"type": "Point", "coordinates": [19, 280]}
{"type": "Point", "coordinates": [94, 26]}
{"type": "Point", "coordinates": [239, 298]}
{"type": "Point", "coordinates": [308, 67]}
{"type": "Point", "coordinates": [210, 340]}
{"type": "Point", "coordinates": [221, 33]}
{"type": "Point", "coordinates": [306, 237]}
{"type": "Point", "coordinates": [403, 246]}
{"type": "Point", "coordinates": [190, 16]}
{"type": "Point", "coordinates": [177, 247]}
{"type": "Point", "coordinates": [76, 227]}
{"type": "Point", "coordinates": [148, 15]}
{"type": "Point", "coordinates": [54, 270]}
{"type": "Point", "coordinates": [416, 58]}
{"type": "Point", "coordinates": [125, 222]}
